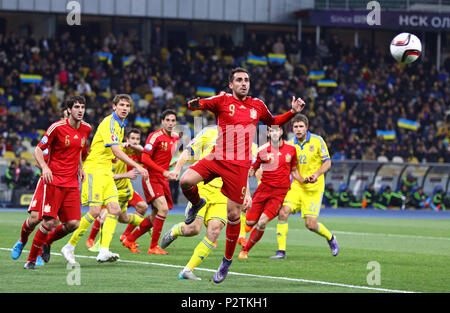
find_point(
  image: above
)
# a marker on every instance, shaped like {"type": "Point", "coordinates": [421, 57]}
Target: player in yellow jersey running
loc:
{"type": "Point", "coordinates": [313, 161]}
{"type": "Point", "coordinates": [213, 215]}
{"type": "Point", "coordinates": [99, 188]}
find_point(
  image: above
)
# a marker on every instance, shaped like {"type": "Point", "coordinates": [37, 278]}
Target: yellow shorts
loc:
{"type": "Point", "coordinates": [216, 204]}
{"type": "Point", "coordinates": [98, 190]}
{"type": "Point", "coordinates": [304, 200]}
{"type": "Point", "coordinates": [125, 195]}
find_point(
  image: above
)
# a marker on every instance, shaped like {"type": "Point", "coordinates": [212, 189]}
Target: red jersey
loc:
{"type": "Point", "coordinates": [236, 121]}
{"type": "Point", "coordinates": [277, 164]}
{"type": "Point", "coordinates": [160, 147]}
{"type": "Point", "coordinates": [135, 156]}
{"type": "Point", "coordinates": [65, 144]}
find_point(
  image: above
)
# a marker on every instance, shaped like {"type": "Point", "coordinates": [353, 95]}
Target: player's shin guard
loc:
{"type": "Point", "coordinates": [85, 222]}
{"type": "Point", "coordinates": [135, 220]}
{"type": "Point", "coordinates": [201, 252]}
{"type": "Point", "coordinates": [232, 235]}
{"type": "Point", "coordinates": [27, 229]}
{"type": "Point", "coordinates": [323, 231]}
{"type": "Point", "coordinates": [108, 229]}
{"type": "Point", "coordinates": [255, 236]}
{"type": "Point", "coordinates": [59, 232]}
{"type": "Point", "coordinates": [39, 239]}
{"type": "Point", "coordinates": [158, 223]}
{"type": "Point", "coordinates": [192, 194]}
{"type": "Point", "coordinates": [144, 227]}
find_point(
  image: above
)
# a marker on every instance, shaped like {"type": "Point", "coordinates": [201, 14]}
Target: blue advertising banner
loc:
{"type": "Point", "coordinates": [388, 19]}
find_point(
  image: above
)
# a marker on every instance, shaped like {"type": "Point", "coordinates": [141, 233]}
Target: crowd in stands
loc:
{"type": "Point", "coordinates": [372, 92]}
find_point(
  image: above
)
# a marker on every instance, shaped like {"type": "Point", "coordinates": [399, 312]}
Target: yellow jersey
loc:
{"type": "Point", "coordinates": [311, 153]}
{"type": "Point", "coordinates": [120, 167]}
{"type": "Point", "coordinates": [109, 132]}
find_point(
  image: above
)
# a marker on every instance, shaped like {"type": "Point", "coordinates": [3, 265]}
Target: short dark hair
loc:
{"type": "Point", "coordinates": [300, 118]}
{"type": "Point", "coordinates": [169, 112]}
{"type": "Point", "coordinates": [133, 131]}
{"type": "Point", "coordinates": [74, 99]}
{"type": "Point", "coordinates": [122, 96]}
{"type": "Point", "coordinates": [237, 70]}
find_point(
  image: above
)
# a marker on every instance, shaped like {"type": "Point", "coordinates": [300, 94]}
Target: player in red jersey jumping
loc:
{"type": "Point", "coordinates": [157, 154]}
{"type": "Point", "coordinates": [237, 115]}
{"type": "Point", "coordinates": [65, 140]}
{"type": "Point", "coordinates": [278, 160]}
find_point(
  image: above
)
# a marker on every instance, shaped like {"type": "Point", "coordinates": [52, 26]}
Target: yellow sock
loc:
{"type": "Point", "coordinates": [85, 222]}
{"type": "Point", "coordinates": [201, 252]}
{"type": "Point", "coordinates": [323, 231]}
{"type": "Point", "coordinates": [135, 219]}
{"type": "Point", "coordinates": [108, 229]}
{"type": "Point", "coordinates": [177, 231]}
{"type": "Point", "coordinates": [282, 230]}
{"type": "Point", "coordinates": [243, 232]}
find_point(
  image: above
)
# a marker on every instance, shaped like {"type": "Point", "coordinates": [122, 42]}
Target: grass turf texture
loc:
{"type": "Point", "coordinates": [413, 255]}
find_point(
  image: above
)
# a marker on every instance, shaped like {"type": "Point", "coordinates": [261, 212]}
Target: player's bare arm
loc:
{"type": "Point", "coordinates": [137, 148]}
{"type": "Point", "coordinates": [175, 173]}
{"type": "Point", "coordinates": [194, 103]}
{"type": "Point", "coordinates": [297, 105]}
{"type": "Point", "coordinates": [47, 175]}
{"type": "Point", "coordinates": [322, 170]}
{"type": "Point", "coordinates": [297, 176]}
{"type": "Point", "coordinates": [118, 153]}
{"type": "Point", "coordinates": [81, 173]}
{"type": "Point", "coordinates": [131, 174]}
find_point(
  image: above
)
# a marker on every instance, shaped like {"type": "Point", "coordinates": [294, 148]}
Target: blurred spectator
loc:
{"type": "Point", "coordinates": [10, 175]}
{"type": "Point", "coordinates": [25, 179]}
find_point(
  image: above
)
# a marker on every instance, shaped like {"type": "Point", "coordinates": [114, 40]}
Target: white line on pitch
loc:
{"type": "Point", "coordinates": [248, 275]}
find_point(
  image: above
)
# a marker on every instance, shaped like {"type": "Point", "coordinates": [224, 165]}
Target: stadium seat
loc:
{"type": "Point", "coordinates": [27, 155]}
{"type": "Point", "coordinates": [9, 155]}
{"type": "Point", "coordinates": [397, 159]}
{"type": "Point", "coordinates": [382, 158]}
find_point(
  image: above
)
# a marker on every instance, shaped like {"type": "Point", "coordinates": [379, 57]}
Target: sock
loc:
{"type": "Point", "coordinates": [177, 231]}
{"type": "Point", "coordinates": [201, 252]}
{"type": "Point", "coordinates": [95, 229]}
{"type": "Point", "coordinates": [144, 227]}
{"type": "Point", "coordinates": [158, 223]}
{"type": "Point", "coordinates": [59, 232]}
{"type": "Point", "coordinates": [255, 236]}
{"type": "Point", "coordinates": [39, 239]}
{"type": "Point", "coordinates": [192, 194]}
{"type": "Point", "coordinates": [135, 220]}
{"type": "Point", "coordinates": [108, 229]}
{"type": "Point", "coordinates": [85, 222]}
{"type": "Point", "coordinates": [232, 235]}
{"type": "Point", "coordinates": [324, 232]}
{"type": "Point", "coordinates": [26, 231]}
{"type": "Point", "coordinates": [243, 232]}
{"type": "Point", "coordinates": [282, 230]}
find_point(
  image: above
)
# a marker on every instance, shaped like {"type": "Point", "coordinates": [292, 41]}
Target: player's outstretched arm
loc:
{"type": "Point", "coordinates": [118, 153]}
{"type": "Point", "coordinates": [194, 104]}
{"type": "Point", "coordinates": [297, 105]}
{"type": "Point", "coordinates": [184, 157]}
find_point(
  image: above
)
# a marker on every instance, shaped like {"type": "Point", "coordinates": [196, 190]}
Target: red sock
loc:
{"type": "Point", "coordinates": [255, 236]}
{"type": "Point", "coordinates": [129, 230]}
{"type": "Point", "coordinates": [39, 239]}
{"type": "Point", "coordinates": [95, 229]}
{"type": "Point", "coordinates": [158, 223]}
{"type": "Point", "coordinates": [192, 195]}
{"type": "Point", "coordinates": [232, 235]}
{"type": "Point", "coordinates": [26, 231]}
{"type": "Point", "coordinates": [59, 232]}
{"type": "Point", "coordinates": [144, 227]}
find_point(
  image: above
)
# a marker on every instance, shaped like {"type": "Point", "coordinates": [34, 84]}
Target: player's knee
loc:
{"type": "Point", "coordinates": [50, 223]}
{"type": "Point", "coordinates": [284, 213]}
{"type": "Point", "coordinates": [311, 225]}
{"type": "Point", "coordinates": [142, 207]}
{"type": "Point", "coordinates": [72, 225]}
{"type": "Point", "coordinates": [185, 182]}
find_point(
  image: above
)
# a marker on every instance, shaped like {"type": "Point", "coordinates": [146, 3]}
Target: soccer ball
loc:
{"type": "Point", "coordinates": [406, 48]}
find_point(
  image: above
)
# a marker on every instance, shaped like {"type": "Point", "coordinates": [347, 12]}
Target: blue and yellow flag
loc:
{"type": "Point", "coordinates": [30, 78]}
{"type": "Point", "coordinates": [387, 134]}
{"type": "Point", "coordinates": [205, 91]}
{"type": "Point", "coordinates": [104, 56]}
{"type": "Point", "coordinates": [255, 60]}
{"type": "Point", "coordinates": [326, 83]}
{"type": "Point", "coordinates": [277, 58]}
{"type": "Point", "coordinates": [316, 75]}
{"type": "Point", "coordinates": [408, 124]}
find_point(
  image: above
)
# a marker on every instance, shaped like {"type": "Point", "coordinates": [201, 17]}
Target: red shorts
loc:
{"type": "Point", "coordinates": [61, 202]}
{"type": "Point", "coordinates": [234, 177]}
{"type": "Point", "coordinates": [157, 187]}
{"type": "Point", "coordinates": [267, 200]}
{"type": "Point", "coordinates": [36, 202]}
{"type": "Point", "coordinates": [135, 200]}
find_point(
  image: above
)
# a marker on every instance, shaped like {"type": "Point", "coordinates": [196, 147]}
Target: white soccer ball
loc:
{"type": "Point", "coordinates": [406, 48]}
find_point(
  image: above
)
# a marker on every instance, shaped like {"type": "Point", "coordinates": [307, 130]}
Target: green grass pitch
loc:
{"type": "Point", "coordinates": [411, 255]}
